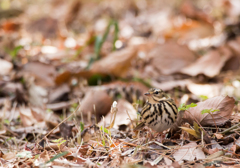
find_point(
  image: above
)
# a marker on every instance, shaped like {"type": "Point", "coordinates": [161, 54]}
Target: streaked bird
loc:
{"type": "Point", "coordinates": [160, 111]}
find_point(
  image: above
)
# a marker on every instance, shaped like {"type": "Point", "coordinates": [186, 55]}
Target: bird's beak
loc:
{"type": "Point", "coordinates": [147, 94]}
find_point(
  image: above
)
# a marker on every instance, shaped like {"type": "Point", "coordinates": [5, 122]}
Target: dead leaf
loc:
{"type": "Point", "coordinates": [234, 45]}
{"type": "Point", "coordinates": [215, 155]}
{"type": "Point", "coordinates": [47, 26]}
{"type": "Point", "coordinates": [58, 55]}
{"type": "Point", "coordinates": [10, 26]}
{"type": "Point", "coordinates": [165, 86]}
{"type": "Point", "coordinates": [192, 132]}
{"type": "Point", "coordinates": [191, 11]}
{"type": "Point", "coordinates": [189, 152]}
{"type": "Point", "coordinates": [209, 90]}
{"type": "Point", "coordinates": [59, 93]}
{"type": "Point", "coordinates": [27, 117]}
{"type": "Point", "coordinates": [167, 161]}
{"type": "Point", "coordinates": [51, 120]}
{"type": "Point", "coordinates": [210, 151]}
{"type": "Point", "coordinates": [170, 57]}
{"type": "Point", "coordinates": [116, 63]}
{"type": "Point", "coordinates": [223, 104]}
{"type": "Point", "coordinates": [5, 67]}
{"type": "Point", "coordinates": [100, 99]}
{"type": "Point", "coordinates": [38, 114]}
{"type": "Point", "coordinates": [44, 73]}
{"type": "Point", "coordinates": [122, 118]}
{"type": "Point", "coordinates": [9, 156]}
{"type": "Point", "coordinates": [209, 64]}
{"type": "Point", "coordinates": [66, 130]}
{"type": "Point", "coordinates": [218, 136]}
{"type": "Point", "coordinates": [61, 105]}
{"type": "Point", "coordinates": [36, 94]}
{"type": "Point", "coordinates": [189, 30]}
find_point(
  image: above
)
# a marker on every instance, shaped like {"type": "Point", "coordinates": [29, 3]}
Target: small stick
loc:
{"type": "Point", "coordinates": [229, 129]}
{"type": "Point", "coordinates": [130, 118]}
{"type": "Point", "coordinates": [58, 125]}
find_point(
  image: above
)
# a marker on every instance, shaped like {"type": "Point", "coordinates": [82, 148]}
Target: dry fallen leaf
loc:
{"type": "Point", "coordinates": [27, 117]}
{"type": "Point", "coordinates": [170, 57]}
{"type": "Point", "coordinates": [189, 152]}
{"type": "Point", "coordinates": [9, 156]}
{"type": "Point", "coordinates": [168, 85]}
{"type": "Point", "coordinates": [47, 26]}
{"type": "Point", "coordinates": [125, 110]}
{"type": "Point", "coordinates": [209, 64]}
{"type": "Point", "coordinates": [44, 73]}
{"type": "Point", "coordinates": [38, 113]}
{"type": "Point", "coordinates": [209, 90]}
{"type": "Point", "coordinates": [191, 11]}
{"type": "Point", "coordinates": [5, 67]}
{"type": "Point", "coordinates": [224, 104]}
{"type": "Point", "coordinates": [116, 63]}
{"type": "Point", "coordinates": [100, 99]}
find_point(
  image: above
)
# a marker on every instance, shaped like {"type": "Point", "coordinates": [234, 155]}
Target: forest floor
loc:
{"type": "Point", "coordinates": [73, 76]}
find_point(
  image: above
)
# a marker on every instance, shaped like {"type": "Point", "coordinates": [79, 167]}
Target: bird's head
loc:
{"type": "Point", "coordinates": [155, 95]}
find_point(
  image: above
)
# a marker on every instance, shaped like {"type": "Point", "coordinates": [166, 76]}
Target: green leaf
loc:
{"type": "Point", "coordinates": [191, 105]}
{"type": "Point", "coordinates": [57, 156]}
{"type": "Point", "coordinates": [205, 111]}
{"type": "Point", "coordinates": [182, 107]}
{"type": "Point", "coordinates": [57, 140]}
{"type": "Point", "coordinates": [100, 40]}
{"type": "Point", "coordinates": [203, 97]}
{"type": "Point", "coordinates": [61, 142]}
{"type": "Point", "coordinates": [186, 107]}
{"type": "Point", "coordinates": [103, 142]}
{"type": "Point", "coordinates": [15, 51]}
{"type": "Point", "coordinates": [81, 126]}
{"type": "Point", "coordinates": [105, 130]}
{"type": "Point", "coordinates": [209, 111]}
{"type": "Point", "coordinates": [6, 121]}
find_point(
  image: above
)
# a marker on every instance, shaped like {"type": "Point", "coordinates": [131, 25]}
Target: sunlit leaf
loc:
{"type": "Point", "coordinates": [192, 132]}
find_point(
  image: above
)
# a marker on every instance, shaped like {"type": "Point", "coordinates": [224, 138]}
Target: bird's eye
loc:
{"type": "Point", "coordinates": [156, 92]}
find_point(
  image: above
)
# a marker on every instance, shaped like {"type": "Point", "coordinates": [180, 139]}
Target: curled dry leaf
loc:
{"type": "Point", "coordinates": [224, 104]}
{"type": "Point", "coordinates": [210, 64]}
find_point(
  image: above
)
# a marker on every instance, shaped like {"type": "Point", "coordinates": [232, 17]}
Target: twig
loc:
{"type": "Point", "coordinates": [130, 118]}
{"type": "Point", "coordinates": [229, 129]}
{"type": "Point", "coordinates": [214, 122]}
{"type": "Point", "coordinates": [78, 107]}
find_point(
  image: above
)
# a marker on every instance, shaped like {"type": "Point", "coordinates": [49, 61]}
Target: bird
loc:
{"type": "Point", "coordinates": [159, 112]}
